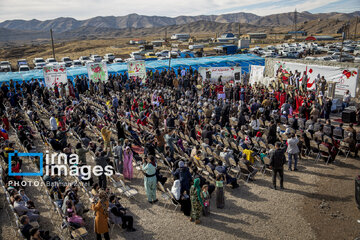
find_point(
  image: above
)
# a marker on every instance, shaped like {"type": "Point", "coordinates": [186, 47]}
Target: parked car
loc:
{"type": "Point", "coordinates": [21, 62]}
{"type": "Point", "coordinates": [24, 68]}
{"type": "Point", "coordinates": [150, 55]}
{"type": "Point", "coordinates": [76, 63]}
{"type": "Point", "coordinates": [39, 63]}
{"type": "Point", "coordinates": [5, 66]}
{"type": "Point", "coordinates": [51, 61]}
{"type": "Point", "coordinates": [83, 59]}
{"type": "Point", "coordinates": [311, 58]}
{"type": "Point", "coordinates": [95, 58]}
{"type": "Point", "coordinates": [68, 62]}
{"type": "Point", "coordinates": [357, 60]}
{"type": "Point", "coordinates": [109, 57]}
{"type": "Point", "coordinates": [118, 60]}
{"type": "Point", "coordinates": [105, 61]}
{"type": "Point", "coordinates": [163, 53]}
{"type": "Point", "coordinates": [344, 57]}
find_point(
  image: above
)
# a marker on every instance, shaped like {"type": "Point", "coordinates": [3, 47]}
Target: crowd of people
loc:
{"type": "Point", "coordinates": [205, 135]}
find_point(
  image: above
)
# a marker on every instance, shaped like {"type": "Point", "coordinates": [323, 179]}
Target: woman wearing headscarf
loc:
{"type": "Point", "coordinates": [196, 201]}
{"type": "Point", "coordinates": [182, 198]}
{"type": "Point", "coordinates": [150, 181]}
{"type": "Point", "coordinates": [101, 216]}
{"type": "Point", "coordinates": [128, 167]}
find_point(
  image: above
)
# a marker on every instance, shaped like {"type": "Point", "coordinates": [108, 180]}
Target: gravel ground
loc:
{"type": "Point", "coordinates": [317, 203]}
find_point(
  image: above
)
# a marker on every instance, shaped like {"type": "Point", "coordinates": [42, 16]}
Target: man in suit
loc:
{"type": "Point", "coordinates": [277, 161]}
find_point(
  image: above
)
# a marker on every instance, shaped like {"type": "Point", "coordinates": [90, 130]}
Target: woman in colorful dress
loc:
{"type": "Point", "coordinates": [150, 181]}
{"type": "Point", "coordinates": [128, 167]}
{"type": "Point", "coordinates": [206, 199]}
{"type": "Point", "coordinates": [196, 201]}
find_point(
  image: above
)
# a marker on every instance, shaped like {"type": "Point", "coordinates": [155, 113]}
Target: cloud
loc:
{"type": "Point", "coordinates": [84, 9]}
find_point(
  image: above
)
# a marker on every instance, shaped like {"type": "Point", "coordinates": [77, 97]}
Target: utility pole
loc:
{"type": "Point", "coordinates": [344, 32]}
{"type": "Point", "coordinates": [52, 42]}
{"type": "Point", "coordinates": [295, 23]}
{"type": "Point", "coordinates": [356, 22]}
{"type": "Point", "coordinates": [239, 30]}
{"type": "Point", "coordinates": [165, 34]}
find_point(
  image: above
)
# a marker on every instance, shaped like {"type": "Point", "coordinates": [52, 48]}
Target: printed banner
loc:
{"type": "Point", "coordinates": [228, 74]}
{"type": "Point", "coordinates": [345, 78]}
{"type": "Point", "coordinates": [54, 75]}
{"type": "Point", "coordinates": [257, 74]}
{"type": "Point", "coordinates": [137, 69]}
{"type": "Point", "coordinates": [97, 72]}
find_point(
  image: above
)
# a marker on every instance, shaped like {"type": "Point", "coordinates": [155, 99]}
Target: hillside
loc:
{"type": "Point", "coordinates": [140, 21]}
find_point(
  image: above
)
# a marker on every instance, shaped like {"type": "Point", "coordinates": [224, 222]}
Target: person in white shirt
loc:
{"type": "Point", "coordinates": [53, 125]}
{"type": "Point", "coordinates": [255, 125]}
{"type": "Point", "coordinates": [293, 151]}
{"type": "Point", "coordinates": [346, 99]}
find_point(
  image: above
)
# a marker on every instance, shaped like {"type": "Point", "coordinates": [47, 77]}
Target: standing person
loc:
{"type": "Point", "coordinates": [118, 155]}
{"type": "Point", "coordinates": [220, 198]}
{"type": "Point", "coordinates": [277, 161]}
{"type": "Point", "coordinates": [81, 152]}
{"type": "Point", "coordinates": [196, 201]}
{"type": "Point", "coordinates": [293, 151]}
{"type": "Point", "coordinates": [101, 216]}
{"type": "Point", "coordinates": [150, 180]}
{"type": "Point", "coordinates": [106, 135]}
{"type": "Point", "coordinates": [128, 167]}
{"type": "Point", "coordinates": [206, 199]}
{"type": "Point", "coordinates": [346, 99]}
{"type": "Point", "coordinates": [327, 108]}
{"type": "Point", "coordinates": [53, 125]}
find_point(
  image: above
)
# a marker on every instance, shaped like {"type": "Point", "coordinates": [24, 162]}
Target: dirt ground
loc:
{"type": "Point", "coordinates": [317, 203]}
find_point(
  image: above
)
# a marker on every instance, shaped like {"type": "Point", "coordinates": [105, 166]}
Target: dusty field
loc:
{"type": "Point", "coordinates": [254, 211]}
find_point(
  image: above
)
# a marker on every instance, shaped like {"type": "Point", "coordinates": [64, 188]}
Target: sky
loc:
{"type": "Point", "coordinates": [84, 9]}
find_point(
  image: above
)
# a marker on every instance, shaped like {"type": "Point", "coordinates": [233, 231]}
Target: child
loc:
{"type": "Point", "coordinates": [206, 200]}
{"type": "Point", "coordinates": [220, 199]}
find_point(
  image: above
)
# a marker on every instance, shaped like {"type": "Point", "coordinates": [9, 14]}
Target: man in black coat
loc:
{"type": "Point", "coordinates": [277, 161]}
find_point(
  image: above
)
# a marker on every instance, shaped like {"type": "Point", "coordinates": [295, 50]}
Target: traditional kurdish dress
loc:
{"type": "Point", "coordinates": [196, 200]}
{"type": "Point", "coordinates": [150, 181]}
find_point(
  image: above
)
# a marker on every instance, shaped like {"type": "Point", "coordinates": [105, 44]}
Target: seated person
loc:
{"type": "Point", "coordinates": [223, 170]}
{"type": "Point", "coordinates": [117, 214]}
{"type": "Point", "coordinates": [24, 197]}
{"type": "Point", "coordinates": [21, 209]}
{"type": "Point", "coordinates": [249, 167]}
{"type": "Point", "coordinates": [73, 219]}
{"type": "Point", "coordinates": [354, 147]}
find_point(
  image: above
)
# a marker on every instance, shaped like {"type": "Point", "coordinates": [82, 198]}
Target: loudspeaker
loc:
{"type": "Point", "coordinates": [237, 76]}
{"type": "Point", "coordinates": [348, 116]}
{"type": "Point", "coordinates": [208, 74]}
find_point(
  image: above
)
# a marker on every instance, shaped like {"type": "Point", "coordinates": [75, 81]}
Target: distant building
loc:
{"type": "Point", "coordinates": [319, 38]}
{"type": "Point", "coordinates": [180, 36]}
{"type": "Point", "coordinates": [257, 36]}
{"type": "Point", "coordinates": [157, 43]}
{"type": "Point", "coordinates": [298, 33]}
{"type": "Point", "coordinates": [137, 41]}
{"type": "Point", "coordinates": [226, 37]}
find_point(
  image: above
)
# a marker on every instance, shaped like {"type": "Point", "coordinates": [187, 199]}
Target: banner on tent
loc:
{"type": "Point", "coordinates": [97, 72]}
{"type": "Point", "coordinates": [257, 74]}
{"type": "Point", "coordinates": [54, 75]}
{"type": "Point", "coordinates": [228, 74]}
{"type": "Point", "coordinates": [345, 78]}
{"type": "Point", "coordinates": [137, 69]}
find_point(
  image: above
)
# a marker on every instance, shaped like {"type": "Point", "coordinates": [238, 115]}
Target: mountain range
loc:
{"type": "Point", "coordinates": [134, 24]}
